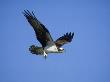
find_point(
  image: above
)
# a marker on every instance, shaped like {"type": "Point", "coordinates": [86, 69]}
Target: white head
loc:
{"type": "Point", "coordinates": [60, 49]}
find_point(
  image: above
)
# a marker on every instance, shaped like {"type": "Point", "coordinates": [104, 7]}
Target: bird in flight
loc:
{"type": "Point", "coordinates": [45, 38]}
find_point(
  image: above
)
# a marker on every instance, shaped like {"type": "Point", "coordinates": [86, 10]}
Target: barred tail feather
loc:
{"type": "Point", "coordinates": [36, 50]}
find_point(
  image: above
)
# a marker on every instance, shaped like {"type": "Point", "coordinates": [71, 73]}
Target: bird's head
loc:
{"type": "Point", "coordinates": [61, 50]}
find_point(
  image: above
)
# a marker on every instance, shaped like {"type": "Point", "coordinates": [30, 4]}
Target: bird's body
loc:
{"type": "Point", "coordinates": [40, 51]}
{"type": "Point", "coordinates": [44, 37]}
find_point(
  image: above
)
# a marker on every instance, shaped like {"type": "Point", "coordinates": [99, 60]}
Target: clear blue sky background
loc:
{"type": "Point", "coordinates": [86, 59]}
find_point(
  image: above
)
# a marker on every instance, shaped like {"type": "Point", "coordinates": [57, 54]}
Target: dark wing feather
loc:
{"type": "Point", "coordinates": [41, 31]}
{"type": "Point", "coordinates": [64, 39]}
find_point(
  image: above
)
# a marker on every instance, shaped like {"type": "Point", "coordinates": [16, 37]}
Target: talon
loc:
{"type": "Point", "coordinates": [45, 54]}
{"type": "Point", "coordinates": [45, 57]}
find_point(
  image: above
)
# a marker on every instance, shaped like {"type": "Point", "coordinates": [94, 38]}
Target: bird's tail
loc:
{"type": "Point", "coordinates": [36, 50]}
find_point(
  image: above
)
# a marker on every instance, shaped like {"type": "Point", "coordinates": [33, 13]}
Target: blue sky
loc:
{"type": "Point", "coordinates": [86, 59]}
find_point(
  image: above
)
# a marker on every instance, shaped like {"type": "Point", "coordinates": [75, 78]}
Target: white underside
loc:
{"type": "Point", "coordinates": [50, 49]}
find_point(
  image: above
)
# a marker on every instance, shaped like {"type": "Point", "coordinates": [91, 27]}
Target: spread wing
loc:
{"type": "Point", "coordinates": [42, 33]}
{"type": "Point", "coordinates": [66, 38]}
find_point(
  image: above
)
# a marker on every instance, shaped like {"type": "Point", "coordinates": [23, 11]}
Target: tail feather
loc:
{"type": "Point", "coordinates": [36, 50]}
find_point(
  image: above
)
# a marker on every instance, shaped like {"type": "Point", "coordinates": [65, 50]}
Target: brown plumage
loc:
{"type": "Point", "coordinates": [42, 34]}
{"type": "Point", "coordinates": [64, 39]}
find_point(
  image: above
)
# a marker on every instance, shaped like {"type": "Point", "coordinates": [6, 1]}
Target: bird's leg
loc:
{"type": "Point", "coordinates": [45, 55]}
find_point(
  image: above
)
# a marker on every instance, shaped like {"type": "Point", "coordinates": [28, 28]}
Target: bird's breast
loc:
{"type": "Point", "coordinates": [51, 48]}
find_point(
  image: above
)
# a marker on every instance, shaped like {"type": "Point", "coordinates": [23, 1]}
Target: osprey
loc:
{"type": "Point", "coordinates": [44, 37]}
